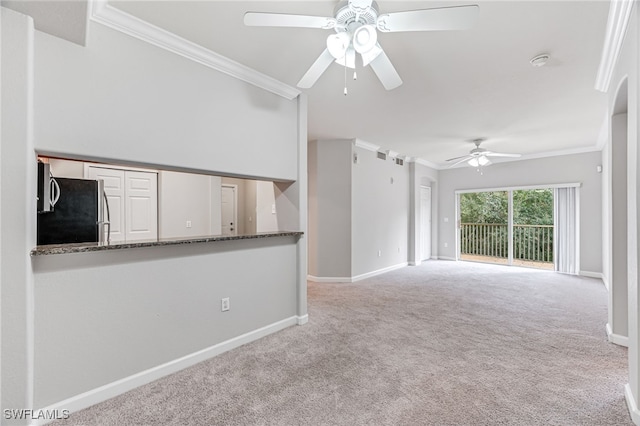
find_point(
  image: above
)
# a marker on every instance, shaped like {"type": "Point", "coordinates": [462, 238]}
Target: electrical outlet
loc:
{"type": "Point", "coordinates": [446, 245]}
{"type": "Point", "coordinates": [225, 305]}
{"type": "Point", "coordinates": [188, 224]}
{"type": "Point", "coordinates": [379, 253]}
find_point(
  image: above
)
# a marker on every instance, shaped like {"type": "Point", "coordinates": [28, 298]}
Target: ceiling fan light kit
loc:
{"type": "Point", "coordinates": [357, 23]}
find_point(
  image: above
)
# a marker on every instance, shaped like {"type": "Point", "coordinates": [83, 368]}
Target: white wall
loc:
{"type": "Point", "coordinates": [379, 213]}
{"type": "Point", "coordinates": [186, 197]}
{"type": "Point", "coordinates": [66, 168]}
{"type": "Point", "coordinates": [266, 212]}
{"type": "Point", "coordinates": [577, 168]}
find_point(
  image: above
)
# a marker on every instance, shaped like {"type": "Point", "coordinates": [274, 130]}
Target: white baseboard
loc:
{"type": "Point", "coordinates": [379, 272]}
{"type": "Point", "coordinates": [103, 393]}
{"type": "Point", "coordinates": [328, 279]}
{"type": "Point", "coordinates": [302, 320]}
{"type": "Point", "coordinates": [616, 338]}
{"type": "Point", "coordinates": [357, 277]}
{"type": "Point", "coordinates": [631, 405]}
{"type": "Point", "coordinates": [447, 258]}
{"type": "Point", "coordinates": [591, 274]}
{"type": "Point", "coordinates": [414, 263]}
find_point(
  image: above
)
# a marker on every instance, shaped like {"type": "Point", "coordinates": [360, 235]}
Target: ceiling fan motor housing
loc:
{"type": "Point", "coordinates": [349, 20]}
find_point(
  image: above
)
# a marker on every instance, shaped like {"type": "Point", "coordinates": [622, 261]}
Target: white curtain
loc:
{"type": "Point", "coordinates": [566, 230]}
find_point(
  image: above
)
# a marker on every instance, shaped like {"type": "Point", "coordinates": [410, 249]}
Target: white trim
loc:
{"type": "Point", "coordinates": [424, 162]}
{"type": "Point", "coordinates": [617, 24]}
{"type": "Point", "coordinates": [446, 258]}
{"type": "Point", "coordinates": [102, 393]}
{"type": "Point", "coordinates": [392, 154]}
{"type": "Point", "coordinates": [86, 166]}
{"type": "Point", "coordinates": [302, 320]}
{"type": "Point", "coordinates": [357, 277]}
{"type": "Point", "coordinates": [591, 274]}
{"type": "Point", "coordinates": [328, 279]}
{"type": "Point", "coordinates": [366, 145]}
{"type": "Point", "coordinates": [379, 272]}
{"type": "Point", "coordinates": [616, 338]}
{"type": "Point", "coordinates": [631, 405]}
{"type": "Point", "coordinates": [101, 12]}
{"type": "Point", "coordinates": [415, 262]}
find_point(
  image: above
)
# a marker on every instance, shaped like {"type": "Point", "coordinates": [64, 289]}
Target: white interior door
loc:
{"type": "Point", "coordinates": [141, 207]}
{"type": "Point", "coordinates": [114, 189]}
{"type": "Point", "coordinates": [229, 209]}
{"type": "Point", "coordinates": [425, 222]}
{"type": "Point", "coordinates": [133, 202]}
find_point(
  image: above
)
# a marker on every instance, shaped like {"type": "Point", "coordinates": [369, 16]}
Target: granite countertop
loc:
{"type": "Point", "coordinates": [88, 247]}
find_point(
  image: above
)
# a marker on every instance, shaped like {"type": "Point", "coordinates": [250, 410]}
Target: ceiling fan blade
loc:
{"type": "Point", "coordinates": [260, 19]}
{"type": "Point", "coordinates": [457, 158]}
{"type": "Point", "coordinates": [319, 66]}
{"type": "Point", "coordinates": [385, 71]}
{"type": "Point", "coordinates": [444, 18]}
{"type": "Point", "coordinates": [501, 154]}
{"type": "Point", "coordinates": [462, 160]}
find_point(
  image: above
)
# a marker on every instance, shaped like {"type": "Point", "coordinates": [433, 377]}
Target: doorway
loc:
{"type": "Point", "coordinates": [229, 199]}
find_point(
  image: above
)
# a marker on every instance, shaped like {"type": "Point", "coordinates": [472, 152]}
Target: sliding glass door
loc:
{"type": "Point", "coordinates": [511, 227]}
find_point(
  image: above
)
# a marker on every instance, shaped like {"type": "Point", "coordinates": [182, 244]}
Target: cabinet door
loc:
{"type": "Point", "coordinates": [133, 202]}
{"type": "Point", "coordinates": [141, 206]}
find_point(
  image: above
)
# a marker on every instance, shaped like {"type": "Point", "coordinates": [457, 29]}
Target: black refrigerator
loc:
{"type": "Point", "coordinates": [77, 216]}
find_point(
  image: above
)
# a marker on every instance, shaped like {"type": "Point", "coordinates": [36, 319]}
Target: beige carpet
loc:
{"type": "Point", "coordinates": [444, 343]}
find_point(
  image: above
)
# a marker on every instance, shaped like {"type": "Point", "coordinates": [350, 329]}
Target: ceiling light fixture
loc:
{"type": "Point", "coordinates": [479, 161]}
{"type": "Point", "coordinates": [540, 60]}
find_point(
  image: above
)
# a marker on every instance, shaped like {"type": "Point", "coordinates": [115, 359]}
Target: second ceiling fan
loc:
{"type": "Point", "coordinates": [356, 24]}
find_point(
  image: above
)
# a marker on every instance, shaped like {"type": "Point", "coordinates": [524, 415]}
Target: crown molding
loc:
{"type": "Point", "coordinates": [107, 15]}
{"type": "Point", "coordinates": [366, 145]}
{"type": "Point", "coordinates": [427, 163]}
{"type": "Point", "coordinates": [617, 24]}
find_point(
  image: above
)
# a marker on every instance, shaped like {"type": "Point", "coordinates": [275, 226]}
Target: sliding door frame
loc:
{"type": "Point", "coordinates": [510, 190]}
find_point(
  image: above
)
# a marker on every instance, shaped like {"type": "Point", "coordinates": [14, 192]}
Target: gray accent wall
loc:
{"type": "Point", "coordinates": [104, 316]}
{"type": "Point", "coordinates": [575, 168]}
{"type": "Point", "coordinates": [149, 112]}
{"type": "Point", "coordinates": [379, 213]}
{"type": "Point", "coordinates": [74, 325]}
{"type": "Point", "coordinates": [329, 166]}
{"type": "Point", "coordinates": [359, 210]}
{"type": "Point", "coordinates": [17, 228]}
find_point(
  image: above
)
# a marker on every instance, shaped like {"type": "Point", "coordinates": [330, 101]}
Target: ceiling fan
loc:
{"type": "Point", "coordinates": [356, 24]}
{"type": "Point", "coordinates": [479, 157]}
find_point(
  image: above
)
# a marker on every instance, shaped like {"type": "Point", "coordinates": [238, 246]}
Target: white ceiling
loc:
{"type": "Point", "coordinates": [458, 85]}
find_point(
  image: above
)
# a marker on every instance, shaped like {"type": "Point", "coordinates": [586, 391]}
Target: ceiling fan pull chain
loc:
{"type": "Point", "coordinates": [345, 78]}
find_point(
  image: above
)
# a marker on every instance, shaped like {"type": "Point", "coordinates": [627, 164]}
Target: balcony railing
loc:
{"type": "Point", "coordinates": [531, 243]}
